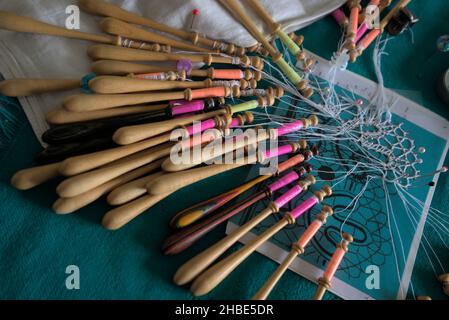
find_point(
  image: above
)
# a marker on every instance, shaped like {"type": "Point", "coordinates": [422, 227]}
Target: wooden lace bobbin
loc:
{"type": "Point", "coordinates": [173, 181]}
{"type": "Point", "coordinates": [444, 279]}
{"type": "Point", "coordinates": [83, 163]}
{"type": "Point", "coordinates": [294, 77]}
{"type": "Point", "coordinates": [213, 276]}
{"type": "Point", "coordinates": [195, 266]}
{"type": "Point", "coordinates": [297, 249]}
{"type": "Point", "coordinates": [192, 214]}
{"type": "Point", "coordinates": [130, 191]}
{"type": "Point", "coordinates": [28, 87]}
{"type": "Point", "coordinates": [123, 29]}
{"type": "Point", "coordinates": [133, 134]}
{"type": "Point", "coordinates": [92, 102]}
{"type": "Point", "coordinates": [212, 73]}
{"type": "Point", "coordinates": [75, 185]}
{"type": "Point", "coordinates": [366, 18]}
{"type": "Point", "coordinates": [351, 31]}
{"type": "Point", "coordinates": [109, 52]}
{"type": "Point", "coordinates": [69, 205]}
{"type": "Point", "coordinates": [114, 84]}
{"type": "Point", "coordinates": [242, 141]}
{"type": "Point", "coordinates": [161, 76]}
{"type": "Point", "coordinates": [185, 237]}
{"type": "Point", "coordinates": [13, 22]}
{"type": "Point", "coordinates": [29, 178]}
{"type": "Point", "coordinates": [118, 217]}
{"type": "Point", "coordinates": [369, 38]}
{"type": "Point", "coordinates": [276, 30]}
{"type": "Point", "coordinates": [134, 190]}
{"type": "Point", "coordinates": [324, 282]}
{"type": "Point", "coordinates": [84, 182]}
{"type": "Point", "coordinates": [122, 68]}
{"type": "Point", "coordinates": [61, 116]}
{"type": "Point", "coordinates": [103, 8]}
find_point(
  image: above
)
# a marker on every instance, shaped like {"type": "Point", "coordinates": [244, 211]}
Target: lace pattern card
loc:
{"type": "Point", "coordinates": [387, 230]}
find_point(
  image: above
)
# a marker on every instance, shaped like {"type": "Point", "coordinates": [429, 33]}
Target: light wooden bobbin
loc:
{"type": "Point", "coordinates": [102, 8]}
{"type": "Point", "coordinates": [118, 85]}
{"type": "Point", "coordinates": [13, 22]}
{"type": "Point", "coordinates": [84, 182]}
{"type": "Point", "coordinates": [109, 52]}
{"type": "Point", "coordinates": [120, 28]}
{"type": "Point", "coordinates": [28, 87]}
{"type": "Point", "coordinates": [93, 102]}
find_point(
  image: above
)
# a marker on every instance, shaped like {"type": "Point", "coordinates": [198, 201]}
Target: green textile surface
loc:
{"type": "Point", "coordinates": [37, 245]}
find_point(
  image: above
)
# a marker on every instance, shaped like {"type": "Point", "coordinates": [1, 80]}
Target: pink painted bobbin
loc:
{"type": "Point", "coordinates": [179, 107]}
{"type": "Point", "coordinates": [282, 182]}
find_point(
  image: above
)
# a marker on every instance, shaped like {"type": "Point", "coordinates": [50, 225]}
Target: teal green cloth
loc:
{"type": "Point", "coordinates": [36, 245]}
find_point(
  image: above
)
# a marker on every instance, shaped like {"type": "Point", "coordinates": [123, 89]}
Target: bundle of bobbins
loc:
{"type": "Point", "coordinates": [361, 27]}
{"type": "Point", "coordinates": [114, 138]}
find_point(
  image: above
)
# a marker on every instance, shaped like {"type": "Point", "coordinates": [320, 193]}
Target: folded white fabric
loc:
{"type": "Point", "coordinates": [36, 56]}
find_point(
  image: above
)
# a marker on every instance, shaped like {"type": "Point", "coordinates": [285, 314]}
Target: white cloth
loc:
{"type": "Point", "coordinates": [36, 56]}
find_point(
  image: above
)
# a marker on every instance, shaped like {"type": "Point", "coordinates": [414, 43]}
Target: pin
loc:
{"type": "Point", "coordinates": [194, 23]}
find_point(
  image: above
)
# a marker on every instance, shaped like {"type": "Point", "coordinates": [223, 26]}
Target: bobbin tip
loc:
{"type": "Point", "coordinates": [302, 144]}
{"type": "Point", "coordinates": [20, 182]}
{"type": "Point", "coordinates": [307, 93]}
{"type": "Point", "coordinates": [244, 84]}
{"type": "Point", "coordinates": [313, 120]}
{"type": "Point", "coordinates": [249, 117]}
{"type": "Point", "coordinates": [327, 210]}
{"type": "Point", "coordinates": [252, 84]}
{"type": "Point", "coordinates": [239, 51]}
{"type": "Point", "coordinates": [257, 75]}
{"type": "Point", "coordinates": [299, 40]}
{"type": "Point", "coordinates": [348, 237]}
{"type": "Point", "coordinates": [327, 190]}
{"type": "Point", "coordinates": [279, 92]}
{"type": "Point", "coordinates": [61, 207]}
{"type": "Point", "coordinates": [444, 278]}
{"type": "Point", "coordinates": [235, 91]}
{"type": "Point", "coordinates": [307, 182]}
